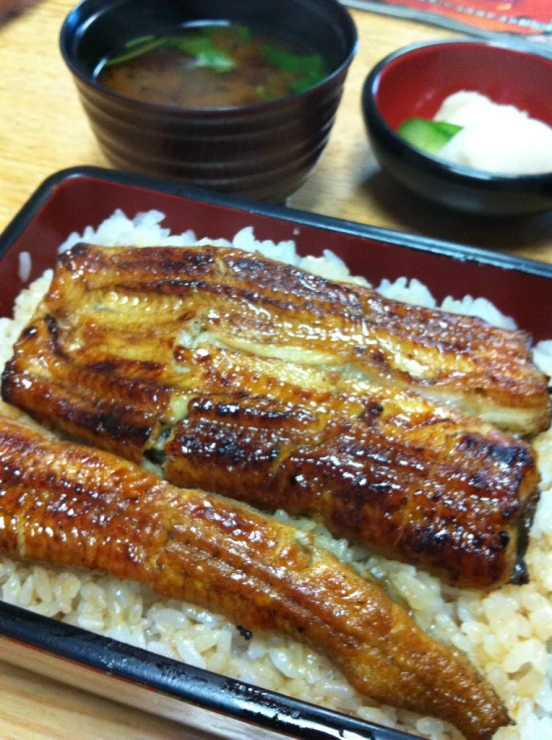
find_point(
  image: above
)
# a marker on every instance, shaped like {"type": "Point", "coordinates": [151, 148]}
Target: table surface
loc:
{"type": "Point", "coordinates": [43, 130]}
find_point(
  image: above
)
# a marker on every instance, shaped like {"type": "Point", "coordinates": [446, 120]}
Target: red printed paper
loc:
{"type": "Point", "coordinates": [526, 17]}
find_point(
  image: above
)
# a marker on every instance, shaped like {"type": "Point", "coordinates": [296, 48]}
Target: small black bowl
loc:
{"type": "Point", "coordinates": [414, 81]}
{"type": "Point", "coordinates": [265, 150]}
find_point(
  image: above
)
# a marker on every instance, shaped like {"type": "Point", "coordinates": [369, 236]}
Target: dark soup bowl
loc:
{"type": "Point", "coordinates": [263, 150]}
{"type": "Point", "coordinates": [414, 81]}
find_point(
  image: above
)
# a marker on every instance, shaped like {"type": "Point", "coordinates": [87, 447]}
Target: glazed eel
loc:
{"type": "Point", "coordinates": [242, 376]}
{"type": "Point", "coordinates": [69, 505]}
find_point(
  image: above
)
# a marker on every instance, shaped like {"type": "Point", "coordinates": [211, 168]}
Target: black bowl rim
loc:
{"type": "Point", "coordinates": [435, 166]}
{"type": "Point", "coordinates": [66, 33]}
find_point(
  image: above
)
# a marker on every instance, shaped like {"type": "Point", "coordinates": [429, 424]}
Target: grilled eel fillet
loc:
{"type": "Point", "coordinates": [70, 505]}
{"type": "Point", "coordinates": [133, 371]}
{"type": "Point", "coordinates": [249, 303]}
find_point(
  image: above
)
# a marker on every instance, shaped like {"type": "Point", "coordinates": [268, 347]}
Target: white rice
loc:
{"type": "Point", "coordinates": [507, 634]}
{"type": "Point", "coordinates": [25, 267]}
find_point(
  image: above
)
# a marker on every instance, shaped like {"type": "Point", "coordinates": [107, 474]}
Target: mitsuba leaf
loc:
{"type": "Point", "coordinates": [205, 53]}
{"type": "Point", "coordinates": [136, 48]}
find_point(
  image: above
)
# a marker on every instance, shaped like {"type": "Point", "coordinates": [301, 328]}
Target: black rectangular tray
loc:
{"type": "Point", "coordinates": [71, 199]}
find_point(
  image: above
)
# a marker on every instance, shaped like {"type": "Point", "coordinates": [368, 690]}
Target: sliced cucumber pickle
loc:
{"type": "Point", "coordinates": [429, 136]}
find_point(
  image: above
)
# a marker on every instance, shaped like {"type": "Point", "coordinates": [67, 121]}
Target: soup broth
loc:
{"type": "Point", "coordinates": [210, 66]}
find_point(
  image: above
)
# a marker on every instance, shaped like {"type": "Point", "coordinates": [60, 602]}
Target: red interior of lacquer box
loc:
{"type": "Point", "coordinates": [78, 201]}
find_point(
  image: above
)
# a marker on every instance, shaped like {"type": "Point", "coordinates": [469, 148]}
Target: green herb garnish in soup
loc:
{"type": "Point", "coordinates": [210, 66]}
